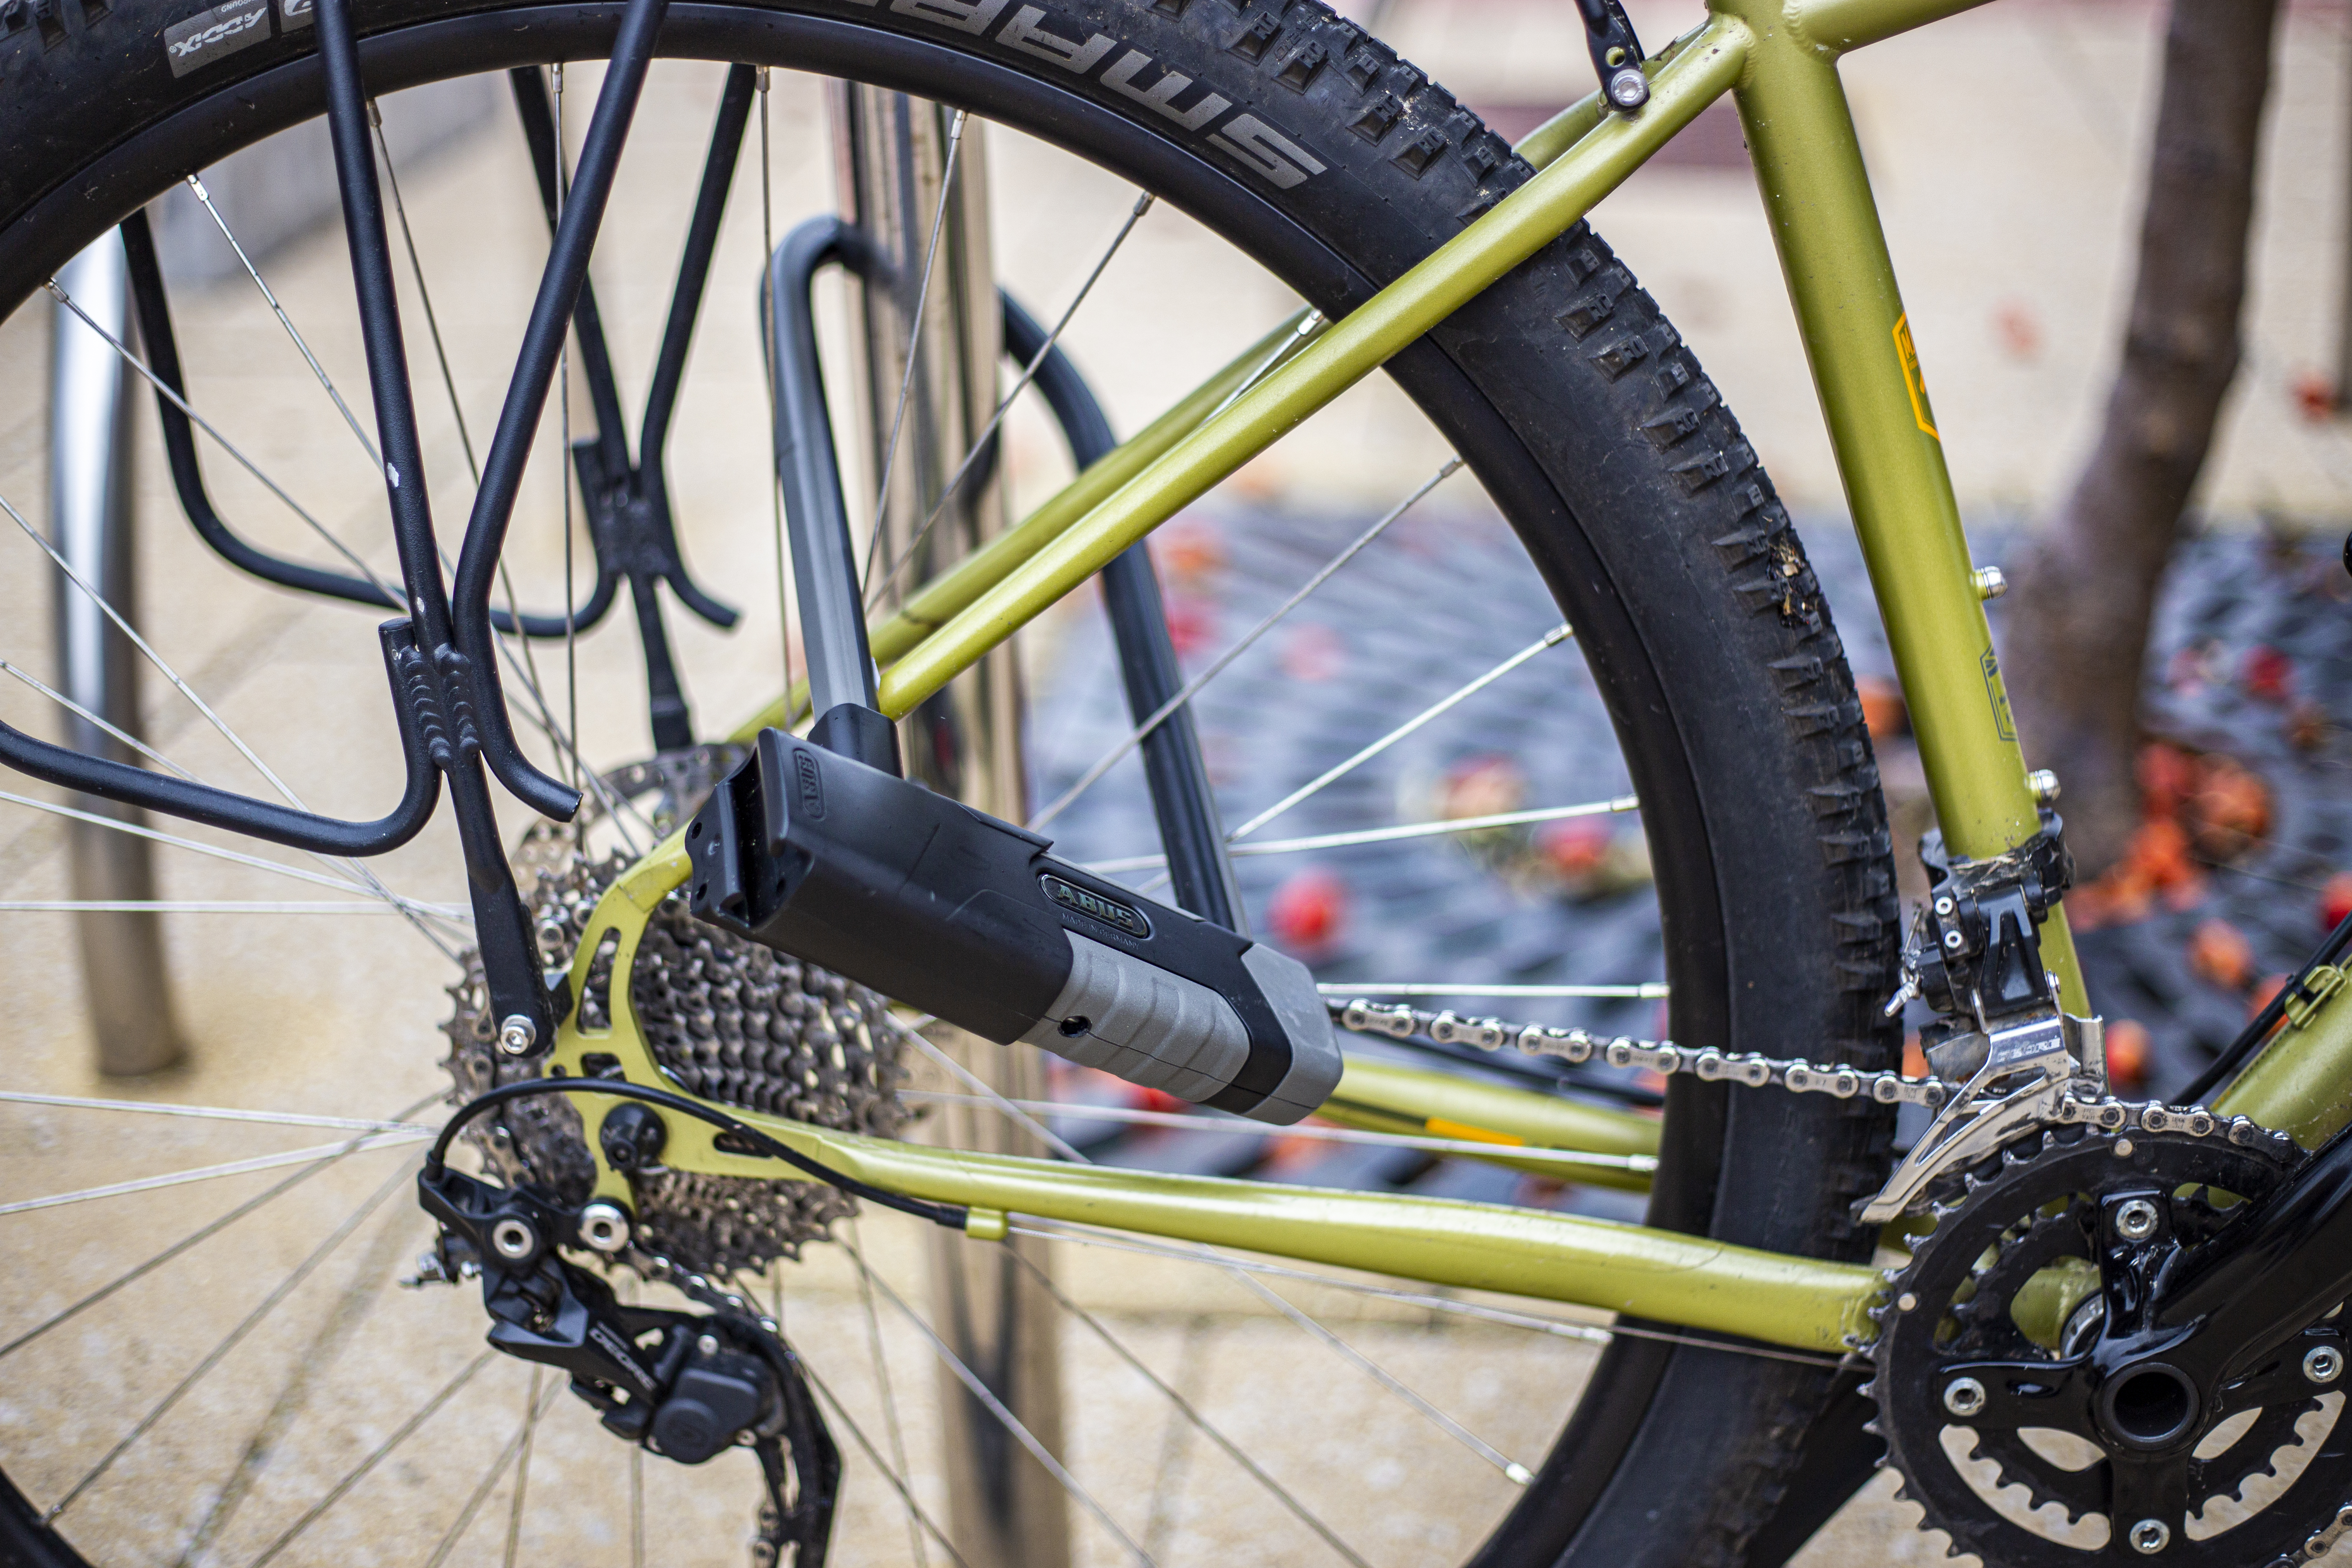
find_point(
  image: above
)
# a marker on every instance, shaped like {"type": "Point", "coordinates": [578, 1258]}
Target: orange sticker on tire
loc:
{"type": "Point", "coordinates": [1909, 358]}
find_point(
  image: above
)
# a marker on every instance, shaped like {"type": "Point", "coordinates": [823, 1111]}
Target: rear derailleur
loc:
{"type": "Point", "coordinates": [686, 1386]}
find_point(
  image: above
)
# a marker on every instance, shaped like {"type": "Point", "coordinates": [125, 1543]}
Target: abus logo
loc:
{"type": "Point", "coordinates": [1094, 906]}
{"type": "Point", "coordinates": [812, 785]}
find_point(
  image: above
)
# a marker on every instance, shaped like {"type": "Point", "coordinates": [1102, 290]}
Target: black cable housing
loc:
{"type": "Point", "coordinates": [2259, 1028]}
{"type": "Point", "coordinates": [951, 1215]}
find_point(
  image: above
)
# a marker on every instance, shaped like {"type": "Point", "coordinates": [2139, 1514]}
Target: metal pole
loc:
{"type": "Point", "coordinates": [1006, 1511]}
{"type": "Point", "coordinates": [91, 513]}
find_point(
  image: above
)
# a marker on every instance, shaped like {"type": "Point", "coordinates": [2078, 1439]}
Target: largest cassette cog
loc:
{"type": "Point", "coordinates": [725, 1019]}
{"type": "Point", "coordinates": [2011, 1274]}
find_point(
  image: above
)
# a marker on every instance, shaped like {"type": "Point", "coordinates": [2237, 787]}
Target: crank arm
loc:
{"type": "Point", "coordinates": [2289, 1263]}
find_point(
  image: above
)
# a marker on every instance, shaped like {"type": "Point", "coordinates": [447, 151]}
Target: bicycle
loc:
{"type": "Point", "coordinates": [2162, 1269]}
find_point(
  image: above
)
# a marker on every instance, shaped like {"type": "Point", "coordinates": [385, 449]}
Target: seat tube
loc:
{"type": "Point", "coordinates": [1890, 454]}
{"type": "Point", "coordinates": [892, 152]}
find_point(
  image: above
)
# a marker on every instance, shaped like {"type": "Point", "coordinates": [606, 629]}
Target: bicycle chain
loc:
{"type": "Point", "coordinates": [1708, 1065]}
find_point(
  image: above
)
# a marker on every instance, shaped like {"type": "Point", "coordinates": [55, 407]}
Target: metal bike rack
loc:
{"type": "Point", "coordinates": [90, 518]}
{"type": "Point", "coordinates": [1004, 1510]}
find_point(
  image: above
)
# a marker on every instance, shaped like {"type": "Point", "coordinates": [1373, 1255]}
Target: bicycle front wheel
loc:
{"type": "Point", "coordinates": [1712, 687]}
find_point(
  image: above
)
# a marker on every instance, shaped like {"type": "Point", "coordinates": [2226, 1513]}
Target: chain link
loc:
{"type": "Point", "coordinates": [1401, 1021]}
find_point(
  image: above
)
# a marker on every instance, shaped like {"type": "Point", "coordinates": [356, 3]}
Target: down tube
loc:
{"type": "Point", "coordinates": [1890, 455]}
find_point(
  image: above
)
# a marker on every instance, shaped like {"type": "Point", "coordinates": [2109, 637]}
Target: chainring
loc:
{"type": "Point", "coordinates": [2025, 1225]}
{"type": "Point", "coordinates": [725, 1019]}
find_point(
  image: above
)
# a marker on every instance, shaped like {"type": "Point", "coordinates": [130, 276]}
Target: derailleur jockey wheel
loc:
{"type": "Point", "coordinates": [1984, 1381]}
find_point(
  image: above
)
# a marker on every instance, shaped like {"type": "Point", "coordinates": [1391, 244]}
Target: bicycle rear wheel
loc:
{"type": "Point", "coordinates": [1639, 515]}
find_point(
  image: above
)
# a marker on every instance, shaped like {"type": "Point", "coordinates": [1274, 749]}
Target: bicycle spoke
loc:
{"type": "Point", "coordinates": [127, 630]}
{"type": "Point", "coordinates": [1550, 639]}
{"type": "Point", "coordinates": [1184, 1407]}
{"type": "Point", "coordinates": [1510, 1468]}
{"type": "Point", "coordinates": [1005, 404]}
{"type": "Point", "coordinates": [1216, 666]}
{"type": "Point", "coordinates": [96, 721]}
{"type": "Point", "coordinates": [366, 1285]}
{"type": "Point", "coordinates": [1389, 834]}
{"type": "Point", "coordinates": [367, 1145]}
{"type": "Point", "coordinates": [1311, 325]}
{"type": "Point", "coordinates": [897, 1482]}
{"type": "Point", "coordinates": [1241, 1125]}
{"type": "Point", "coordinates": [522, 1468]}
{"type": "Point", "coordinates": [1175, 1448]}
{"type": "Point", "coordinates": [202, 1233]}
{"type": "Point", "coordinates": [497, 1472]}
{"type": "Point", "coordinates": [996, 1407]}
{"type": "Point", "coordinates": [988, 1095]}
{"type": "Point", "coordinates": [234, 1337]}
{"type": "Point", "coordinates": [890, 1400]}
{"type": "Point", "coordinates": [914, 345]}
{"type": "Point", "coordinates": [387, 904]}
{"type": "Point", "coordinates": [286, 322]}
{"type": "Point", "coordinates": [1446, 1424]}
{"type": "Point", "coordinates": [367, 878]}
{"type": "Point", "coordinates": [407, 1429]}
{"type": "Point", "coordinates": [205, 1112]}
{"type": "Point", "coordinates": [216, 852]}
{"type": "Point", "coordinates": [226, 444]}
{"type": "Point", "coordinates": [638, 1506]}
{"type": "Point", "coordinates": [423, 293]}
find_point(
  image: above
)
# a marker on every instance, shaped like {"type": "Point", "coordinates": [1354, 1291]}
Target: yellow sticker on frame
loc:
{"type": "Point", "coordinates": [1909, 356]}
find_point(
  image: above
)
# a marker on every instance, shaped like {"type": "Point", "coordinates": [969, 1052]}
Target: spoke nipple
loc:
{"type": "Point", "coordinates": [2150, 1536]}
{"type": "Point", "coordinates": [2323, 1364]}
{"type": "Point", "coordinates": [1519, 1472]}
{"type": "Point", "coordinates": [1989, 582]}
{"type": "Point", "coordinates": [1964, 1396]}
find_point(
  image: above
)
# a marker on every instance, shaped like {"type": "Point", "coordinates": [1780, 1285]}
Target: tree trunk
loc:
{"type": "Point", "coordinates": [2077, 633]}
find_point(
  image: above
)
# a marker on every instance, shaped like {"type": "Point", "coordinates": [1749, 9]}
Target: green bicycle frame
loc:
{"type": "Point", "coordinates": [1780, 60]}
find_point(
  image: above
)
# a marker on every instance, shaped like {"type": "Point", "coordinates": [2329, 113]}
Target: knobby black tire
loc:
{"type": "Point", "coordinates": [1336, 165]}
